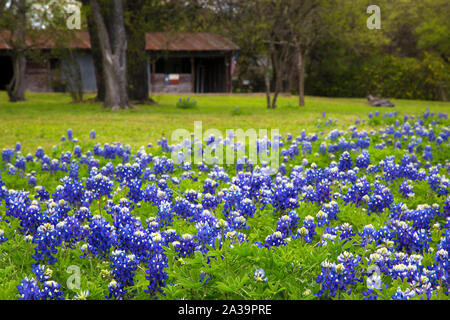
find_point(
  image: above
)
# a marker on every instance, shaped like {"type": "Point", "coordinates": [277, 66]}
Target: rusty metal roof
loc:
{"type": "Point", "coordinates": [80, 40]}
{"type": "Point", "coordinates": [188, 41]}
{"type": "Point", "coordinates": [155, 41]}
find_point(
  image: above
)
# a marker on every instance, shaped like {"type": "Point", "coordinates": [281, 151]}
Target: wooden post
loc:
{"type": "Point", "coordinates": [192, 74]}
{"type": "Point", "coordinates": [301, 79]}
{"type": "Point", "coordinates": [228, 74]}
{"type": "Point", "coordinates": [152, 78]}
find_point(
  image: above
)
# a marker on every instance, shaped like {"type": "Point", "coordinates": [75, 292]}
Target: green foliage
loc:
{"type": "Point", "coordinates": [186, 103]}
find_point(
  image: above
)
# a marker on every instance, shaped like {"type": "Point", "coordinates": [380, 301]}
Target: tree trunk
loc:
{"type": "Point", "coordinates": [301, 79]}
{"type": "Point", "coordinates": [442, 90]}
{"type": "Point", "coordinates": [267, 82]}
{"type": "Point", "coordinates": [97, 57]}
{"type": "Point", "coordinates": [16, 88]}
{"type": "Point", "coordinates": [278, 78]}
{"type": "Point", "coordinates": [113, 48]}
{"type": "Point", "coordinates": [278, 87]}
{"type": "Point", "coordinates": [274, 100]}
{"type": "Point", "coordinates": [76, 80]}
{"type": "Point", "coordinates": [137, 62]}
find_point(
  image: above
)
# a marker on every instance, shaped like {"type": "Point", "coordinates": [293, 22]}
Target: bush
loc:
{"type": "Point", "coordinates": [333, 72]}
{"type": "Point", "coordinates": [236, 111]}
{"type": "Point", "coordinates": [186, 103]}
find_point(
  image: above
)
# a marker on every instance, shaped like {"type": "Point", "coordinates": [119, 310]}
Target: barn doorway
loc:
{"type": "Point", "coordinates": [6, 71]}
{"type": "Point", "coordinates": [210, 75]}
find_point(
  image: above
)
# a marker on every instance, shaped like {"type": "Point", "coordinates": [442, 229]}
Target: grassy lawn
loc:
{"type": "Point", "coordinates": [44, 117]}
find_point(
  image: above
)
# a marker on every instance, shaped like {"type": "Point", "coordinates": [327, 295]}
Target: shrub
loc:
{"type": "Point", "coordinates": [186, 103]}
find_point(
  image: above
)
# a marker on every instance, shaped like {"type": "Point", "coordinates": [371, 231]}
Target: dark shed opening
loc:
{"type": "Point", "coordinates": [6, 71]}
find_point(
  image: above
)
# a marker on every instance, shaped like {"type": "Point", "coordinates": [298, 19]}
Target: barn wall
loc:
{"type": "Point", "coordinates": [37, 77]}
{"type": "Point", "coordinates": [157, 84]}
{"type": "Point", "coordinates": [87, 69]}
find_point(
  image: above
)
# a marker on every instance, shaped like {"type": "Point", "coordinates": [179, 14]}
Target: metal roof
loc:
{"type": "Point", "coordinates": [188, 41]}
{"type": "Point", "coordinates": [80, 40]}
{"type": "Point", "coordinates": [155, 41]}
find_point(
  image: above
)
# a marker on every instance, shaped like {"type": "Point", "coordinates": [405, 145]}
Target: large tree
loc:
{"type": "Point", "coordinates": [13, 22]}
{"type": "Point", "coordinates": [113, 46]}
{"type": "Point", "coordinates": [26, 26]}
{"type": "Point", "coordinates": [136, 28]}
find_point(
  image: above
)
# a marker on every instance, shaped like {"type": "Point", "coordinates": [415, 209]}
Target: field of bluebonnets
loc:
{"type": "Point", "coordinates": [355, 213]}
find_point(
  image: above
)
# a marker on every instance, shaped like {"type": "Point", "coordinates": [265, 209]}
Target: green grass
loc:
{"type": "Point", "coordinates": [44, 118]}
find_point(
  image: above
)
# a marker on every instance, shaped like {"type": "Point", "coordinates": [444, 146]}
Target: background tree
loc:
{"type": "Point", "coordinates": [113, 47]}
{"type": "Point", "coordinates": [142, 16]}
{"type": "Point", "coordinates": [136, 27]}
{"type": "Point", "coordinates": [96, 54]}
{"type": "Point", "coordinates": [433, 37]}
{"type": "Point", "coordinates": [14, 23]}
{"type": "Point", "coordinates": [275, 34]}
{"type": "Point", "coordinates": [27, 25]}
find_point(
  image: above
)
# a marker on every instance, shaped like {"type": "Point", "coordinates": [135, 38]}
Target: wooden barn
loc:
{"type": "Point", "coordinates": [177, 63]}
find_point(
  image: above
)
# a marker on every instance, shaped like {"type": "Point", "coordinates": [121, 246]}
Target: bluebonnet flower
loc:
{"type": "Point", "coordinates": [284, 196]}
{"type": "Point", "coordinates": [99, 184]}
{"type": "Point", "coordinates": [346, 232]}
{"type": "Point", "coordinates": [338, 278]}
{"type": "Point", "coordinates": [209, 186]}
{"type": "Point", "coordinates": [47, 239]}
{"type": "Point", "coordinates": [29, 290]}
{"type": "Point", "coordinates": [275, 240]}
{"type": "Point", "coordinates": [155, 273]}
{"type": "Point", "coordinates": [408, 239]}
{"type": "Point", "coordinates": [42, 272]}
{"type": "Point", "coordinates": [368, 234]}
{"type": "Point", "coordinates": [322, 218]}
{"type": "Point", "coordinates": [42, 194]}
{"type": "Point", "coordinates": [345, 162]}
{"type": "Point", "coordinates": [32, 181]}
{"type": "Point", "coordinates": [331, 209]}
{"type": "Point", "coordinates": [51, 290]}
{"type": "Point", "coordinates": [165, 213]}
{"type": "Point", "coordinates": [70, 134]}
{"type": "Point", "coordinates": [287, 224]}
{"type": "Point", "coordinates": [237, 221]}
{"type": "Point", "coordinates": [29, 157]}
{"type": "Point", "coordinates": [403, 295]}
{"type": "Point", "coordinates": [39, 153]}
{"type": "Point", "coordinates": [185, 246]}
{"type": "Point", "coordinates": [135, 193]}
{"type": "Point", "coordinates": [100, 239]}
{"type": "Point", "coordinates": [7, 155]}
{"type": "Point", "coordinates": [2, 236]}
{"type": "Point", "coordinates": [71, 231]}
{"type": "Point", "coordinates": [123, 267]}
{"type": "Point", "coordinates": [363, 160]}
{"type": "Point", "coordinates": [209, 201]}
{"type": "Point", "coordinates": [427, 153]}
{"type": "Point", "coordinates": [260, 275]}
{"type": "Point", "coordinates": [205, 277]}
